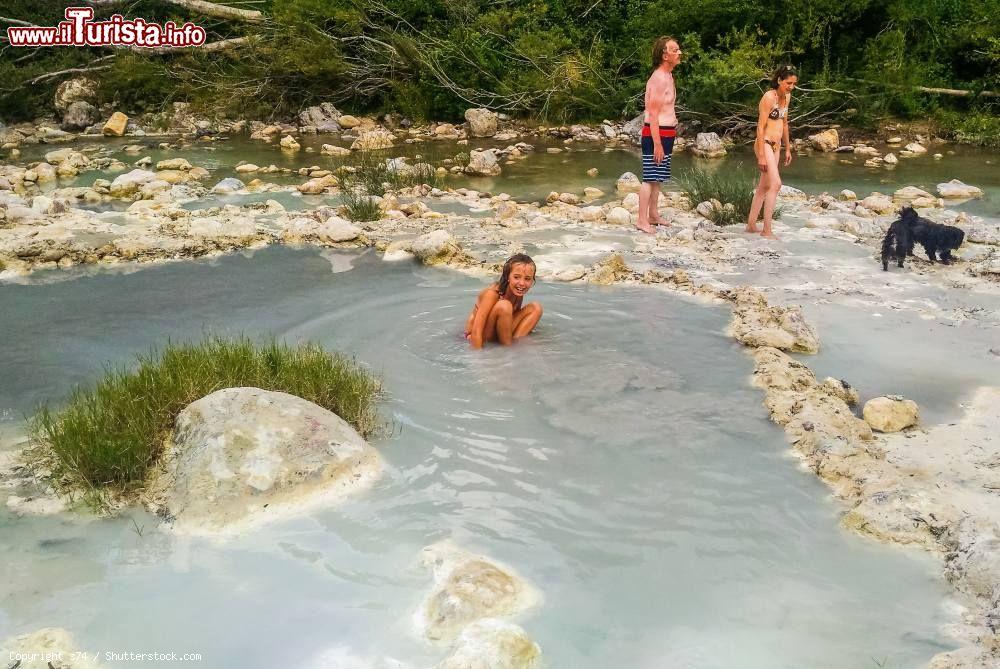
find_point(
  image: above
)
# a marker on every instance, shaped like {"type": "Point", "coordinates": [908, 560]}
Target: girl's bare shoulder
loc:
{"type": "Point", "coordinates": [492, 288]}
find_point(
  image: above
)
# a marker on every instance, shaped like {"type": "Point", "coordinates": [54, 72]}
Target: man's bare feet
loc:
{"type": "Point", "coordinates": [767, 234]}
{"type": "Point", "coordinates": [645, 227]}
{"type": "Point", "coordinates": [751, 228]}
{"type": "Point", "coordinates": [659, 220]}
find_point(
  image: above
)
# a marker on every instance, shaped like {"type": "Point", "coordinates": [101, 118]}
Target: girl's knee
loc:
{"type": "Point", "coordinates": [535, 308]}
{"type": "Point", "coordinates": [503, 307]}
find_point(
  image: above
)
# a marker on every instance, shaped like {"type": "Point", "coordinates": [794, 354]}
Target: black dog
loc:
{"type": "Point", "coordinates": [910, 229]}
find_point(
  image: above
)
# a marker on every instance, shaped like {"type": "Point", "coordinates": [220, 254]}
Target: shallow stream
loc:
{"type": "Point", "coordinates": [618, 459]}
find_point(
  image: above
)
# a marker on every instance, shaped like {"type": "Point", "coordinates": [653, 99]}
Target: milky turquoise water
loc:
{"type": "Point", "coordinates": [617, 458]}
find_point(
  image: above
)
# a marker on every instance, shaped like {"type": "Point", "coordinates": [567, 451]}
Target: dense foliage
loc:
{"type": "Point", "coordinates": [558, 60]}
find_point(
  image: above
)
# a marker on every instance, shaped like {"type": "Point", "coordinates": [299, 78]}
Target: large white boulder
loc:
{"type": "Point", "coordinates": [128, 184]}
{"type": "Point", "coordinates": [628, 183]}
{"type": "Point", "coordinates": [879, 203]}
{"type": "Point", "coordinates": [482, 122]}
{"type": "Point", "coordinates": [826, 141]}
{"type": "Point", "coordinates": [73, 90]}
{"type": "Point", "coordinates": [908, 194]}
{"type": "Point", "coordinates": [372, 140]}
{"type": "Point", "coordinates": [708, 145]}
{"type": "Point", "coordinates": [890, 413]}
{"type": "Point", "coordinates": [483, 163]}
{"type": "Point", "coordinates": [436, 247]}
{"type": "Point", "coordinates": [956, 190]}
{"type": "Point", "coordinates": [242, 456]}
{"type": "Point", "coordinates": [331, 231]}
{"type": "Point", "coordinates": [619, 216]}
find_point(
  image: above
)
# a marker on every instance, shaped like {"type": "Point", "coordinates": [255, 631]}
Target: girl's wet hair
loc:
{"type": "Point", "coordinates": [516, 259]}
{"type": "Point", "coordinates": [782, 73]}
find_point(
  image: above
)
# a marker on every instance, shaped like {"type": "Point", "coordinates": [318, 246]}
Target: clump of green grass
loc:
{"type": "Point", "coordinates": [357, 206]}
{"type": "Point", "coordinates": [730, 186]}
{"type": "Point", "coordinates": [376, 177]}
{"type": "Point", "coordinates": [107, 438]}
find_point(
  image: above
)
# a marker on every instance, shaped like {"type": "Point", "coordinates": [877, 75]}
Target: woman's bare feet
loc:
{"type": "Point", "coordinates": [645, 227]}
{"type": "Point", "coordinates": [767, 234]}
{"type": "Point", "coordinates": [751, 228]}
{"type": "Point", "coordinates": [659, 220]}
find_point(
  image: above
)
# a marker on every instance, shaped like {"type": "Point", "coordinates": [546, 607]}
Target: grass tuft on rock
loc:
{"type": "Point", "coordinates": [359, 207]}
{"type": "Point", "coordinates": [107, 438]}
{"type": "Point", "coordinates": [732, 188]}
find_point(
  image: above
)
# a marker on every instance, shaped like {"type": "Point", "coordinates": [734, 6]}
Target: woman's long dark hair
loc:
{"type": "Point", "coordinates": [782, 73]}
{"type": "Point", "coordinates": [515, 259]}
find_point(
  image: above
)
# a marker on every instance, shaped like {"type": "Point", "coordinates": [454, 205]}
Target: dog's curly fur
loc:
{"type": "Point", "coordinates": [936, 239]}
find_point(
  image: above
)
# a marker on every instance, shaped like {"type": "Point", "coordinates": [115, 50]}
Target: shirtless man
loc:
{"type": "Point", "coordinates": [660, 124]}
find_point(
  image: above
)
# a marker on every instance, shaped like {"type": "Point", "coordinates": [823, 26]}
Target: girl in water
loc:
{"type": "Point", "coordinates": [772, 132]}
{"type": "Point", "coordinates": [499, 314]}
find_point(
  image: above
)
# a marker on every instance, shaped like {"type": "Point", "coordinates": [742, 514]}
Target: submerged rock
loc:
{"type": "Point", "coordinates": [493, 644]}
{"type": "Point", "coordinates": [468, 588]}
{"type": "Point", "coordinates": [891, 413]}
{"type": "Point", "coordinates": [241, 456]}
{"type": "Point", "coordinates": [571, 273]}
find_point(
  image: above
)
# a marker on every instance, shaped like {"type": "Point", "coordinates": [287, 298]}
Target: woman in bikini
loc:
{"type": "Point", "coordinates": [772, 132]}
{"type": "Point", "coordinates": [499, 314]}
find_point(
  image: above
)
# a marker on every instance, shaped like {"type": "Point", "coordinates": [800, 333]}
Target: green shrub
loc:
{"type": "Point", "coordinates": [729, 186]}
{"type": "Point", "coordinates": [974, 128]}
{"type": "Point", "coordinates": [107, 438]}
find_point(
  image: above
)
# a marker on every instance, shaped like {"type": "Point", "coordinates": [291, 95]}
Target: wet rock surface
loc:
{"type": "Point", "coordinates": [242, 456]}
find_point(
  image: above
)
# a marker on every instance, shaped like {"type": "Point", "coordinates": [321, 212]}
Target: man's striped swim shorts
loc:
{"type": "Point", "coordinates": [650, 170]}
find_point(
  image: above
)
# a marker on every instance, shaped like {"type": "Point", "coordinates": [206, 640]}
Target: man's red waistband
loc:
{"type": "Point", "coordinates": [665, 131]}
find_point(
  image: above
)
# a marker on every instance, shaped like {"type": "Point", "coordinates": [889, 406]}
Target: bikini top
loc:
{"type": "Point", "coordinates": [778, 112]}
